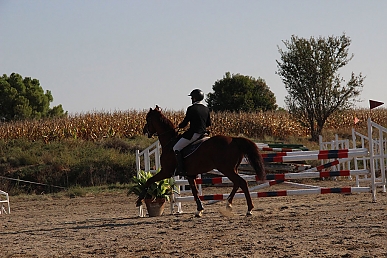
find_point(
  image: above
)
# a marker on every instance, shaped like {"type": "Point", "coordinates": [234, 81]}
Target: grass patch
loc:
{"type": "Point", "coordinates": [67, 163]}
{"type": "Point", "coordinates": [75, 192]}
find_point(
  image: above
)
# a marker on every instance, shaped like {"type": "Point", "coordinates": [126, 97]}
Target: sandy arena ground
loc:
{"type": "Point", "coordinates": [107, 225]}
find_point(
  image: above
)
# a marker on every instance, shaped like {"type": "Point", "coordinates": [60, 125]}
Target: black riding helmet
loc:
{"type": "Point", "coordinates": [197, 94]}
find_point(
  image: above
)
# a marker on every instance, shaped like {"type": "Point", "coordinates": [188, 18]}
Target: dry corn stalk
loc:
{"type": "Point", "coordinates": [125, 124]}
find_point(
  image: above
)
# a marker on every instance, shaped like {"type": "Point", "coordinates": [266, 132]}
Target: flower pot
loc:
{"type": "Point", "coordinates": [155, 207]}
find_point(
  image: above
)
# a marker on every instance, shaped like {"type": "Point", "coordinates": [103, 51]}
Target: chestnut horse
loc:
{"type": "Point", "coordinates": [220, 152]}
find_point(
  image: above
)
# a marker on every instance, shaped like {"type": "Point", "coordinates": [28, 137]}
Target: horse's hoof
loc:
{"type": "Point", "coordinates": [198, 214]}
{"type": "Point", "coordinates": [249, 213]}
{"type": "Point", "coordinates": [229, 207]}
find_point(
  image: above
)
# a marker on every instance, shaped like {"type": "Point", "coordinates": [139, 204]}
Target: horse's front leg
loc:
{"type": "Point", "coordinates": [194, 189]}
{"type": "Point", "coordinates": [157, 177]}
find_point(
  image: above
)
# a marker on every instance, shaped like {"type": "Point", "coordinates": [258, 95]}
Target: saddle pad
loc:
{"type": "Point", "coordinates": [191, 148]}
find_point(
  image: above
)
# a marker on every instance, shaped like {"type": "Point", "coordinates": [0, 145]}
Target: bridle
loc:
{"type": "Point", "coordinates": [146, 130]}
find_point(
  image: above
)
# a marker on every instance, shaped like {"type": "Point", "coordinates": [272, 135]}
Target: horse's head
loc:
{"type": "Point", "coordinates": [157, 123]}
{"type": "Point", "coordinates": [151, 116]}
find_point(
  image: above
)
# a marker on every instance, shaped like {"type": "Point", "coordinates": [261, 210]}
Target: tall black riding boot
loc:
{"type": "Point", "coordinates": [179, 168]}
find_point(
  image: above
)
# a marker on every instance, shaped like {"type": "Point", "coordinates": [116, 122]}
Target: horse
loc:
{"type": "Point", "coordinates": [220, 152]}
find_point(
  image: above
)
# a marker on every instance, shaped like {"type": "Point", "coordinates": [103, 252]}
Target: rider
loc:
{"type": "Point", "coordinates": [198, 116]}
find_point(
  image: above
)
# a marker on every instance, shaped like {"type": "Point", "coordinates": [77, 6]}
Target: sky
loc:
{"type": "Point", "coordinates": [116, 55]}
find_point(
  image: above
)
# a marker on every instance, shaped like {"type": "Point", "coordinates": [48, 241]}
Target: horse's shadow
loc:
{"type": "Point", "coordinates": [102, 223]}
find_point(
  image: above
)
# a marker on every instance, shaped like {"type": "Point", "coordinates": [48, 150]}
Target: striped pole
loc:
{"type": "Point", "coordinates": [322, 190]}
{"type": "Point", "coordinates": [329, 164]}
{"type": "Point", "coordinates": [323, 174]}
{"type": "Point", "coordinates": [279, 149]}
{"type": "Point", "coordinates": [287, 176]}
{"type": "Point", "coordinates": [254, 188]}
{"type": "Point", "coordinates": [314, 155]}
{"type": "Point", "coordinates": [318, 168]}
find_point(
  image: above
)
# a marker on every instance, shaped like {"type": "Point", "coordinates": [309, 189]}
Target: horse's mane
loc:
{"type": "Point", "coordinates": [163, 119]}
{"type": "Point", "coordinates": [166, 121]}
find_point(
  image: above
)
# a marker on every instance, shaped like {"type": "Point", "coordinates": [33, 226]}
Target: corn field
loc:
{"type": "Point", "coordinates": [126, 124]}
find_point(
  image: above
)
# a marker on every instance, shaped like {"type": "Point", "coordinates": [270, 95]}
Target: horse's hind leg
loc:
{"type": "Point", "coordinates": [231, 195]}
{"type": "Point", "coordinates": [240, 182]}
{"type": "Point", "coordinates": [195, 193]}
{"type": "Point", "coordinates": [245, 189]}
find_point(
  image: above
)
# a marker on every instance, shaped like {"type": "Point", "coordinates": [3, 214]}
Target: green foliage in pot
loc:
{"type": "Point", "coordinates": [161, 189]}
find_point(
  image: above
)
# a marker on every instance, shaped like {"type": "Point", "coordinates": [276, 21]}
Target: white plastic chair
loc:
{"type": "Point", "coordinates": [4, 203]}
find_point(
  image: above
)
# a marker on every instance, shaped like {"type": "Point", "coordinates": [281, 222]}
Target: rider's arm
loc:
{"type": "Point", "coordinates": [186, 119]}
{"type": "Point", "coordinates": [208, 122]}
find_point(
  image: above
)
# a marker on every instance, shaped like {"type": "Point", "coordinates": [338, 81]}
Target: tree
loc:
{"type": "Point", "coordinates": [241, 93]}
{"type": "Point", "coordinates": [309, 70]}
{"type": "Point", "coordinates": [24, 98]}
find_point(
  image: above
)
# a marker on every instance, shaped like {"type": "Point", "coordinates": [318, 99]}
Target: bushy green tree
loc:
{"type": "Point", "coordinates": [309, 70]}
{"type": "Point", "coordinates": [24, 98]}
{"type": "Point", "coordinates": [241, 93]}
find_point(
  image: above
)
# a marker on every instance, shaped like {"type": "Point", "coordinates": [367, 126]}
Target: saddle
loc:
{"type": "Point", "coordinates": [193, 146]}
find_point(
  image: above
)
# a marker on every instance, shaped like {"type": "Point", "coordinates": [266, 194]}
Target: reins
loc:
{"type": "Point", "coordinates": [158, 135]}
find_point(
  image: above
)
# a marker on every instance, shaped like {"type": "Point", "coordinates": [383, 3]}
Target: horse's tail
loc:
{"type": "Point", "coordinates": [250, 149]}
